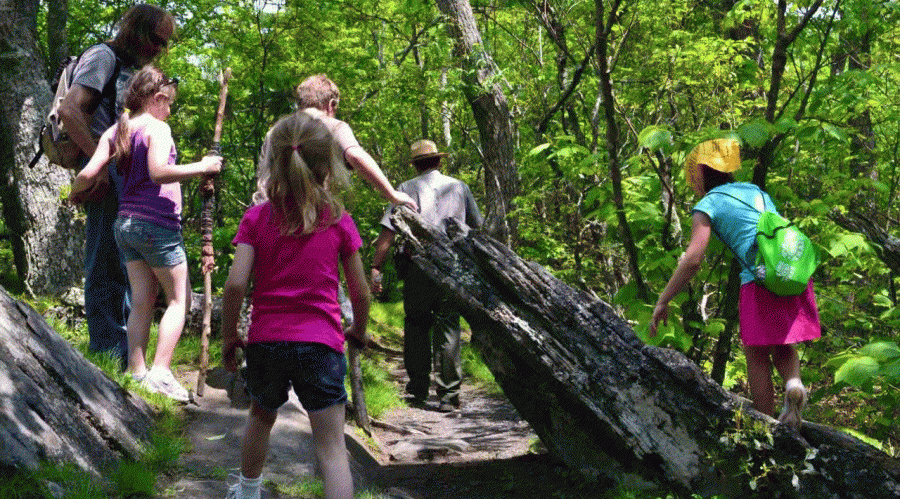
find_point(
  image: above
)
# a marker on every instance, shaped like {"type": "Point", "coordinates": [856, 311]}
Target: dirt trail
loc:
{"type": "Point", "coordinates": [478, 451]}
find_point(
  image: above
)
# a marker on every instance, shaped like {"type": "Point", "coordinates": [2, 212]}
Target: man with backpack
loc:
{"type": "Point", "coordinates": [91, 105]}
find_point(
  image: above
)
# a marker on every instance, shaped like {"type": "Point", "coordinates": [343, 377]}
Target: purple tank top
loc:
{"type": "Point", "coordinates": [141, 197]}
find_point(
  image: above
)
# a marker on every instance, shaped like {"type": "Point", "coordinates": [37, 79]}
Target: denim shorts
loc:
{"type": "Point", "coordinates": [142, 240]}
{"type": "Point", "coordinates": [315, 371]}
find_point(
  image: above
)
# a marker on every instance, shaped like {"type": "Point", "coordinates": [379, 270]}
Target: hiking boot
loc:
{"type": "Point", "coordinates": [448, 406]}
{"type": "Point", "coordinates": [794, 404]}
{"type": "Point", "coordinates": [414, 401]}
{"type": "Point", "coordinates": [161, 380]}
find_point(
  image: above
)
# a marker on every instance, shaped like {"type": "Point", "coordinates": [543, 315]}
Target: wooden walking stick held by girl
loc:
{"type": "Point", "coordinates": [208, 259]}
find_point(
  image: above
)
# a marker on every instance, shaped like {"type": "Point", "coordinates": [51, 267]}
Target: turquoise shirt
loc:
{"type": "Point", "coordinates": [733, 221]}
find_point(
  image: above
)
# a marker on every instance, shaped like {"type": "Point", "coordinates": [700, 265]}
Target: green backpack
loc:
{"type": "Point", "coordinates": [785, 256]}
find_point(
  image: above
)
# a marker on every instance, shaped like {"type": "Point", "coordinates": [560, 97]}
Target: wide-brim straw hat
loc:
{"type": "Point", "coordinates": [424, 149]}
{"type": "Point", "coordinates": [722, 155]}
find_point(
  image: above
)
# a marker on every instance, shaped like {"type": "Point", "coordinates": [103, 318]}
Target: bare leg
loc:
{"type": "Point", "coordinates": [176, 286]}
{"type": "Point", "coordinates": [786, 361]}
{"type": "Point", "coordinates": [256, 440]}
{"type": "Point", "coordinates": [144, 289]}
{"type": "Point", "coordinates": [331, 451]}
{"type": "Point", "coordinates": [759, 376]}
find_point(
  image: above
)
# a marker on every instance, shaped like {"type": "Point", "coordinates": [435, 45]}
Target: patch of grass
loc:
{"type": "Point", "coordinates": [305, 486]}
{"type": "Point", "coordinates": [134, 479]}
{"type": "Point", "coordinates": [53, 480]}
{"type": "Point", "coordinates": [477, 371]}
{"type": "Point", "coordinates": [381, 392]}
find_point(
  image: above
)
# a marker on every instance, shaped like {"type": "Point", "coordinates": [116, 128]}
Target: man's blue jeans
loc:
{"type": "Point", "coordinates": [107, 297]}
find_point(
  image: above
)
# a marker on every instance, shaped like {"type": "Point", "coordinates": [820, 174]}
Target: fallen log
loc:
{"type": "Point", "coordinates": [616, 409]}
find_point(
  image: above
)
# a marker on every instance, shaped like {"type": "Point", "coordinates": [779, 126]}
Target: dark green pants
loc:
{"type": "Point", "coordinates": [431, 330]}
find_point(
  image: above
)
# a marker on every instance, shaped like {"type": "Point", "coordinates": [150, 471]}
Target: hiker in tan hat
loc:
{"type": "Point", "coordinates": [770, 325]}
{"type": "Point", "coordinates": [432, 323]}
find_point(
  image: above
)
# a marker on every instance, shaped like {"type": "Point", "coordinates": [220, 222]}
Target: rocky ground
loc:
{"type": "Point", "coordinates": [482, 450]}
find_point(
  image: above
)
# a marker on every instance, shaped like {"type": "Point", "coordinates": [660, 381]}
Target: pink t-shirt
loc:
{"type": "Point", "coordinates": [296, 278]}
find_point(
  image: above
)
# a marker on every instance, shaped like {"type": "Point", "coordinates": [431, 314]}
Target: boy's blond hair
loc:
{"type": "Point", "coordinates": [306, 174]}
{"type": "Point", "coordinates": [317, 91]}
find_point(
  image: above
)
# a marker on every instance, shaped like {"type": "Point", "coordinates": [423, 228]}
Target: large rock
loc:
{"type": "Point", "coordinates": [610, 406]}
{"type": "Point", "coordinates": [57, 406]}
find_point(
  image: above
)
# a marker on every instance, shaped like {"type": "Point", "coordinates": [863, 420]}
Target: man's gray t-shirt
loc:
{"type": "Point", "coordinates": [95, 67]}
{"type": "Point", "coordinates": [439, 197]}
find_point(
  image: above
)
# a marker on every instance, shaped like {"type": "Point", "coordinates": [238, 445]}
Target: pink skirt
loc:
{"type": "Point", "coordinates": [769, 319]}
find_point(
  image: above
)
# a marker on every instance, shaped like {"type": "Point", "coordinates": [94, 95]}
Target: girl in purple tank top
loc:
{"type": "Point", "coordinates": [148, 228]}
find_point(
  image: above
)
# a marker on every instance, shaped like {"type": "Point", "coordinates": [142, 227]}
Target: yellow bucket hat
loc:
{"type": "Point", "coordinates": [723, 155]}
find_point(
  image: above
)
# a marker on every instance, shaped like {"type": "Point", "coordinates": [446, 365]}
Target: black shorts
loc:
{"type": "Point", "coordinates": [314, 370]}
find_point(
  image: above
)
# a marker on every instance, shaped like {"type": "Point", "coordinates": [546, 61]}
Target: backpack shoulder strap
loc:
{"type": "Point", "coordinates": [739, 200]}
{"type": "Point", "coordinates": [733, 252]}
{"type": "Point", "coordinates": [109, 90]}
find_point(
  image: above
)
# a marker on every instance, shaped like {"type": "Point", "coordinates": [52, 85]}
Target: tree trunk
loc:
{"type": "Point", "coordinates": [604, 29]}
{"type": "Point", "coordinates": [47, 235]}
{"type": "Point", "coordinates": [57, 406]}
{"type": "Point", "coordinates": [783, 40]}
{"type": "Point", "coordinates": [57, 33]}
{"type": "Point", "coordinates": [491, 112]}
{"type": "Point", "coordinates": [606, 404]}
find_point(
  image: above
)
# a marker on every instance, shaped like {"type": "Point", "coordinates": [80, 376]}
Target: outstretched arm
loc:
{"type": "Point", "coordinates": [94, 175]}
{"type": "Point", "coordinates": [160, 145]}
{"type": "Point", "coordinates": [365, 164]}
{"type": "Point", "coordinates": [688, 265]}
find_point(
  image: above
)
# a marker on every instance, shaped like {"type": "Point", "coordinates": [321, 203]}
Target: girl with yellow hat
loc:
{"type": "Point", "coordinates": [770, 325]}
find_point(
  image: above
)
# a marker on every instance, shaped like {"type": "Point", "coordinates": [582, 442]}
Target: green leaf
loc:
{"type": "Point", "coordinates": [714, 327]}
{"type": "Point", "coordinates": [539, 149]}
{"type": "Point", "coordinates": [881, 351]}
{"type": "Point", "coordinates": [839, 360]}
{"type": "Point", "coordinates": [835, 131]}
{"type": "Point", "coordinates": [891, 371]}
{"type": "Point", "coordinates": [755, 133]}
{"type": "Point", "coordinates": [857, 371]}
{"type": "Point", "coordinates": [656, 138]}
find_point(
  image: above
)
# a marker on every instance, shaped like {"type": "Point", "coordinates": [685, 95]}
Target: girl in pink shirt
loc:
{"type": "Point", "coordinates": [292, 246]}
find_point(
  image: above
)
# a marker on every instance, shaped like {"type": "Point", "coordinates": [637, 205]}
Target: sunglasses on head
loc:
{"type": "Point", "coordinates": [157, 40]}
{"type": "Point", "coordinates": [170, 81]}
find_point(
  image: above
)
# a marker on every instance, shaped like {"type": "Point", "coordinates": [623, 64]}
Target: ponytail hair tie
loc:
{"type": "Point", "coordinates": [297, 148]}
{"type": "Point", "coordinates": [127, 111]}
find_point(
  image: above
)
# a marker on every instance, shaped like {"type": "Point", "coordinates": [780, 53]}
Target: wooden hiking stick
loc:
{"type": "Point", "coordinates": [360, 412]}
{"type": "Point", "coordinates": [208, 259]}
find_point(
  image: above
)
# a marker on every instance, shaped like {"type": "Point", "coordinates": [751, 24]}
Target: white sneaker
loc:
{"type": "Point", "coordinates": [794, 404]}
{"type": "Point", "coordinates": [161, 380]}
{"type": "Point", "coordinates": [234, 492]}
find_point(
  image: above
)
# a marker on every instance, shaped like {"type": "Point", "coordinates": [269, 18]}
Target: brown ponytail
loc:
{"type": "Point", "coordinates": [141, 88]}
